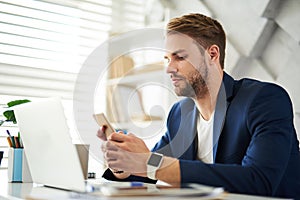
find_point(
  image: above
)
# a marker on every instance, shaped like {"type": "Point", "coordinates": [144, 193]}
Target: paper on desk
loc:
{"type": "Point", "coordinates": [124, 189]}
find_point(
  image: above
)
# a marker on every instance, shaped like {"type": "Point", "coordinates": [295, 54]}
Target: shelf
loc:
{"type": "Point", "coordinates": [139, 78]}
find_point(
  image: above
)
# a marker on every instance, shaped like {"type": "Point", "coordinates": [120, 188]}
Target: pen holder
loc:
{"type": "Point", "coordinates": [18, 170]}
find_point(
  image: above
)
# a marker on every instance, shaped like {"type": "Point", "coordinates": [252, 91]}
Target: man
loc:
{"type": "Point", "coordinates": [237, 134]}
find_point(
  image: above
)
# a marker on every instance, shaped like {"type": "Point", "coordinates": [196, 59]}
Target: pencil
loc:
{"type": "Point", "coordinates": [9, 142]}
{"type": "Point", "coordinates": [20, 141]}
{"type": "Point", "coordinates": [7, 131]}
{"type": "Point", "coordinates": [11, 139]}
{"type": "Point", "coordinates": [17, 143]}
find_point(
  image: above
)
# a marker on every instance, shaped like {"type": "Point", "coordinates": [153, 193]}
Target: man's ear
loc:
{"type": "Point", "coordinates": [214, 52]}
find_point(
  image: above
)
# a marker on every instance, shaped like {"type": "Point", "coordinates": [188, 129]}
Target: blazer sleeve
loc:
{"type": "Point", "coordinates": [269, 119]}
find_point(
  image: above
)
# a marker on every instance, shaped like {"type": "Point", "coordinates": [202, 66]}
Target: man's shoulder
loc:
{"type": "Point", "coordinates": [249, 90]}
{"type": "Point", "coordinates": [250, 84]}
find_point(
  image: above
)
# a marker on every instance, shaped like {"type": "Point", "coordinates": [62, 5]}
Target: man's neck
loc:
{"type": "Point", "coordinates": [205, 106]}
{"type": "Point", "coordinates": [207, 103]}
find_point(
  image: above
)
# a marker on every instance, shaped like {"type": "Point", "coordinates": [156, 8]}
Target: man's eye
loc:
{"type": "Point", "coordinates": [180, 57]}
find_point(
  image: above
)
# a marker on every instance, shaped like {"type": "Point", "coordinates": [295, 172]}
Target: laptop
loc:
{"type": "Point", "coordinates": [53, 160]}
{"type": "Point", "coordinates": [52, 157]}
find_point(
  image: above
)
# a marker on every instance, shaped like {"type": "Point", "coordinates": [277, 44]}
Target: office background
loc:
{"type": "Point", "coordinates": [44, 43]}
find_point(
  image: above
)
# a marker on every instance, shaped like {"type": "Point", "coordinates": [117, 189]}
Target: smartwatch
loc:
{"type": "Point", "coordinates": [153, 164]}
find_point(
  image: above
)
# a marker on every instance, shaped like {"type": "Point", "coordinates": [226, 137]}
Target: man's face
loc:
{"type": "Point", "coordinates": [186, 65]}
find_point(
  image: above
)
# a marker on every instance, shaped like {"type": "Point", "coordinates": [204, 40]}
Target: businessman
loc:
{"type": "Point", "coordinates": [237, 134]}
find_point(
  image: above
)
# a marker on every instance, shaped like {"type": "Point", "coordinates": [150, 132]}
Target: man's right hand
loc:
{"type": "Point", "coordinates": [101, 134]}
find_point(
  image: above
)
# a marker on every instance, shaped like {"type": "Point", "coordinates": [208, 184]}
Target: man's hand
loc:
{"type": "Point", "coordinates": [126, 153]}
{"type": "Point", "coordinates": [129, 142]}
{"type": "Point", "coordinates": [119, 174]}
{"type": "Point", "coordinates": [130, 154]}
{"type": "Point", "coordinates": [101, 133]}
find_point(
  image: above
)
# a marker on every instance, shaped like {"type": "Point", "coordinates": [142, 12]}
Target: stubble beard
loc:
{"type": "Point", "coordinates": [194, 85]}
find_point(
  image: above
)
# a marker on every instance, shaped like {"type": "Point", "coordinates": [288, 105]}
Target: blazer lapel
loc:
{"type": "Point", "coordinates": [225, 93]}
{"type": "Point", "coordinates": [184, 141]}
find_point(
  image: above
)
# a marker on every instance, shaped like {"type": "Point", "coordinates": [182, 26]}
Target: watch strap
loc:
{"type": "Point", "coordinates": [151, 172]}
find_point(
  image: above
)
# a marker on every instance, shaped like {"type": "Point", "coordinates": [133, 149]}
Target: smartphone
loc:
{"type": "Point", "coordinates": [102, 121]}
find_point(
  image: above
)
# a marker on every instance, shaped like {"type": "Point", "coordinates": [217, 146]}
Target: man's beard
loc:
{"type": "Point", "coordinates": [194, 85]}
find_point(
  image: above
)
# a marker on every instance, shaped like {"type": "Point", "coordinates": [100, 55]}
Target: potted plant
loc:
{"type": "Point", "coordinates": [9, 114]}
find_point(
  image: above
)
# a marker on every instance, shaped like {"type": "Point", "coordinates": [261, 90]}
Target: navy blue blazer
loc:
{"type": "Point", "coordinates": [256, 150]}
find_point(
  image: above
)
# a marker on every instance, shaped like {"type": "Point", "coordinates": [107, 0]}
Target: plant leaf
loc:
{"type": "Point", "coordinates": [17, 102]}
{"type": "Point", "coordinates": [10, 116]}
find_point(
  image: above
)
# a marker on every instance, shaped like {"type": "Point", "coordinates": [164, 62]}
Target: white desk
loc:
{"type": "Point", "coordinates": [17, 191]}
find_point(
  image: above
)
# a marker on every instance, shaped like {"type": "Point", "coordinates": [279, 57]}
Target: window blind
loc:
{"type": "Point", "coordinates": [43, 44]}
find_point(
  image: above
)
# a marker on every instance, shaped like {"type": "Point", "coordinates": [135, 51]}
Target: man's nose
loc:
{"type": "Point", "coordinates": [171, 67]}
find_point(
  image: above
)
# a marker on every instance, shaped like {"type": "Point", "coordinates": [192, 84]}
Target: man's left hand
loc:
{"type": "Point", "coordinates": [126, 153]}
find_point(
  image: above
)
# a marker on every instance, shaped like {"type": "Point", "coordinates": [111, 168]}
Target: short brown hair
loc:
{"type": "Point", "coordinates": [204, 30]}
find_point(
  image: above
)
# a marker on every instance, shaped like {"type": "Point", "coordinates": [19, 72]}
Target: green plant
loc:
{"type": "Point", "coordinates": [9, 114]}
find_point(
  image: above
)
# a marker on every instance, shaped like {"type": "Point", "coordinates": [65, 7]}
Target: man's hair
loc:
{"type": "Point", "coordinates": [204, 30]}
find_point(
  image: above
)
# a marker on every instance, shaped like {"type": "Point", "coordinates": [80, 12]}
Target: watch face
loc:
{"type": "Point", "coordinates": [154, 159]}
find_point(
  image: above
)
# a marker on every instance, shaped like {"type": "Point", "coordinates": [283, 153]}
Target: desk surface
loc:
{"type": "Point", "coordinates": [16, 191]}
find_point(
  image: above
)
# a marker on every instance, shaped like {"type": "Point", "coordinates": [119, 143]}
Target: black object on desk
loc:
{"type": "Point", "coordinates": [91, 175]}
{"type": "Point", "coordinates": [1, 156]}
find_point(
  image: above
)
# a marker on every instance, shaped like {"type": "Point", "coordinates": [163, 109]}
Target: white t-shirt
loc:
{"type": "Point", "coordinates": [205, 139]}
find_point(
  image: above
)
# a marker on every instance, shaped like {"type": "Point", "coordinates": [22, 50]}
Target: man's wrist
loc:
{"type": "Point", "coordinates": [169, 171]}
{"type": "Point", "coordinates": [153, 164]}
